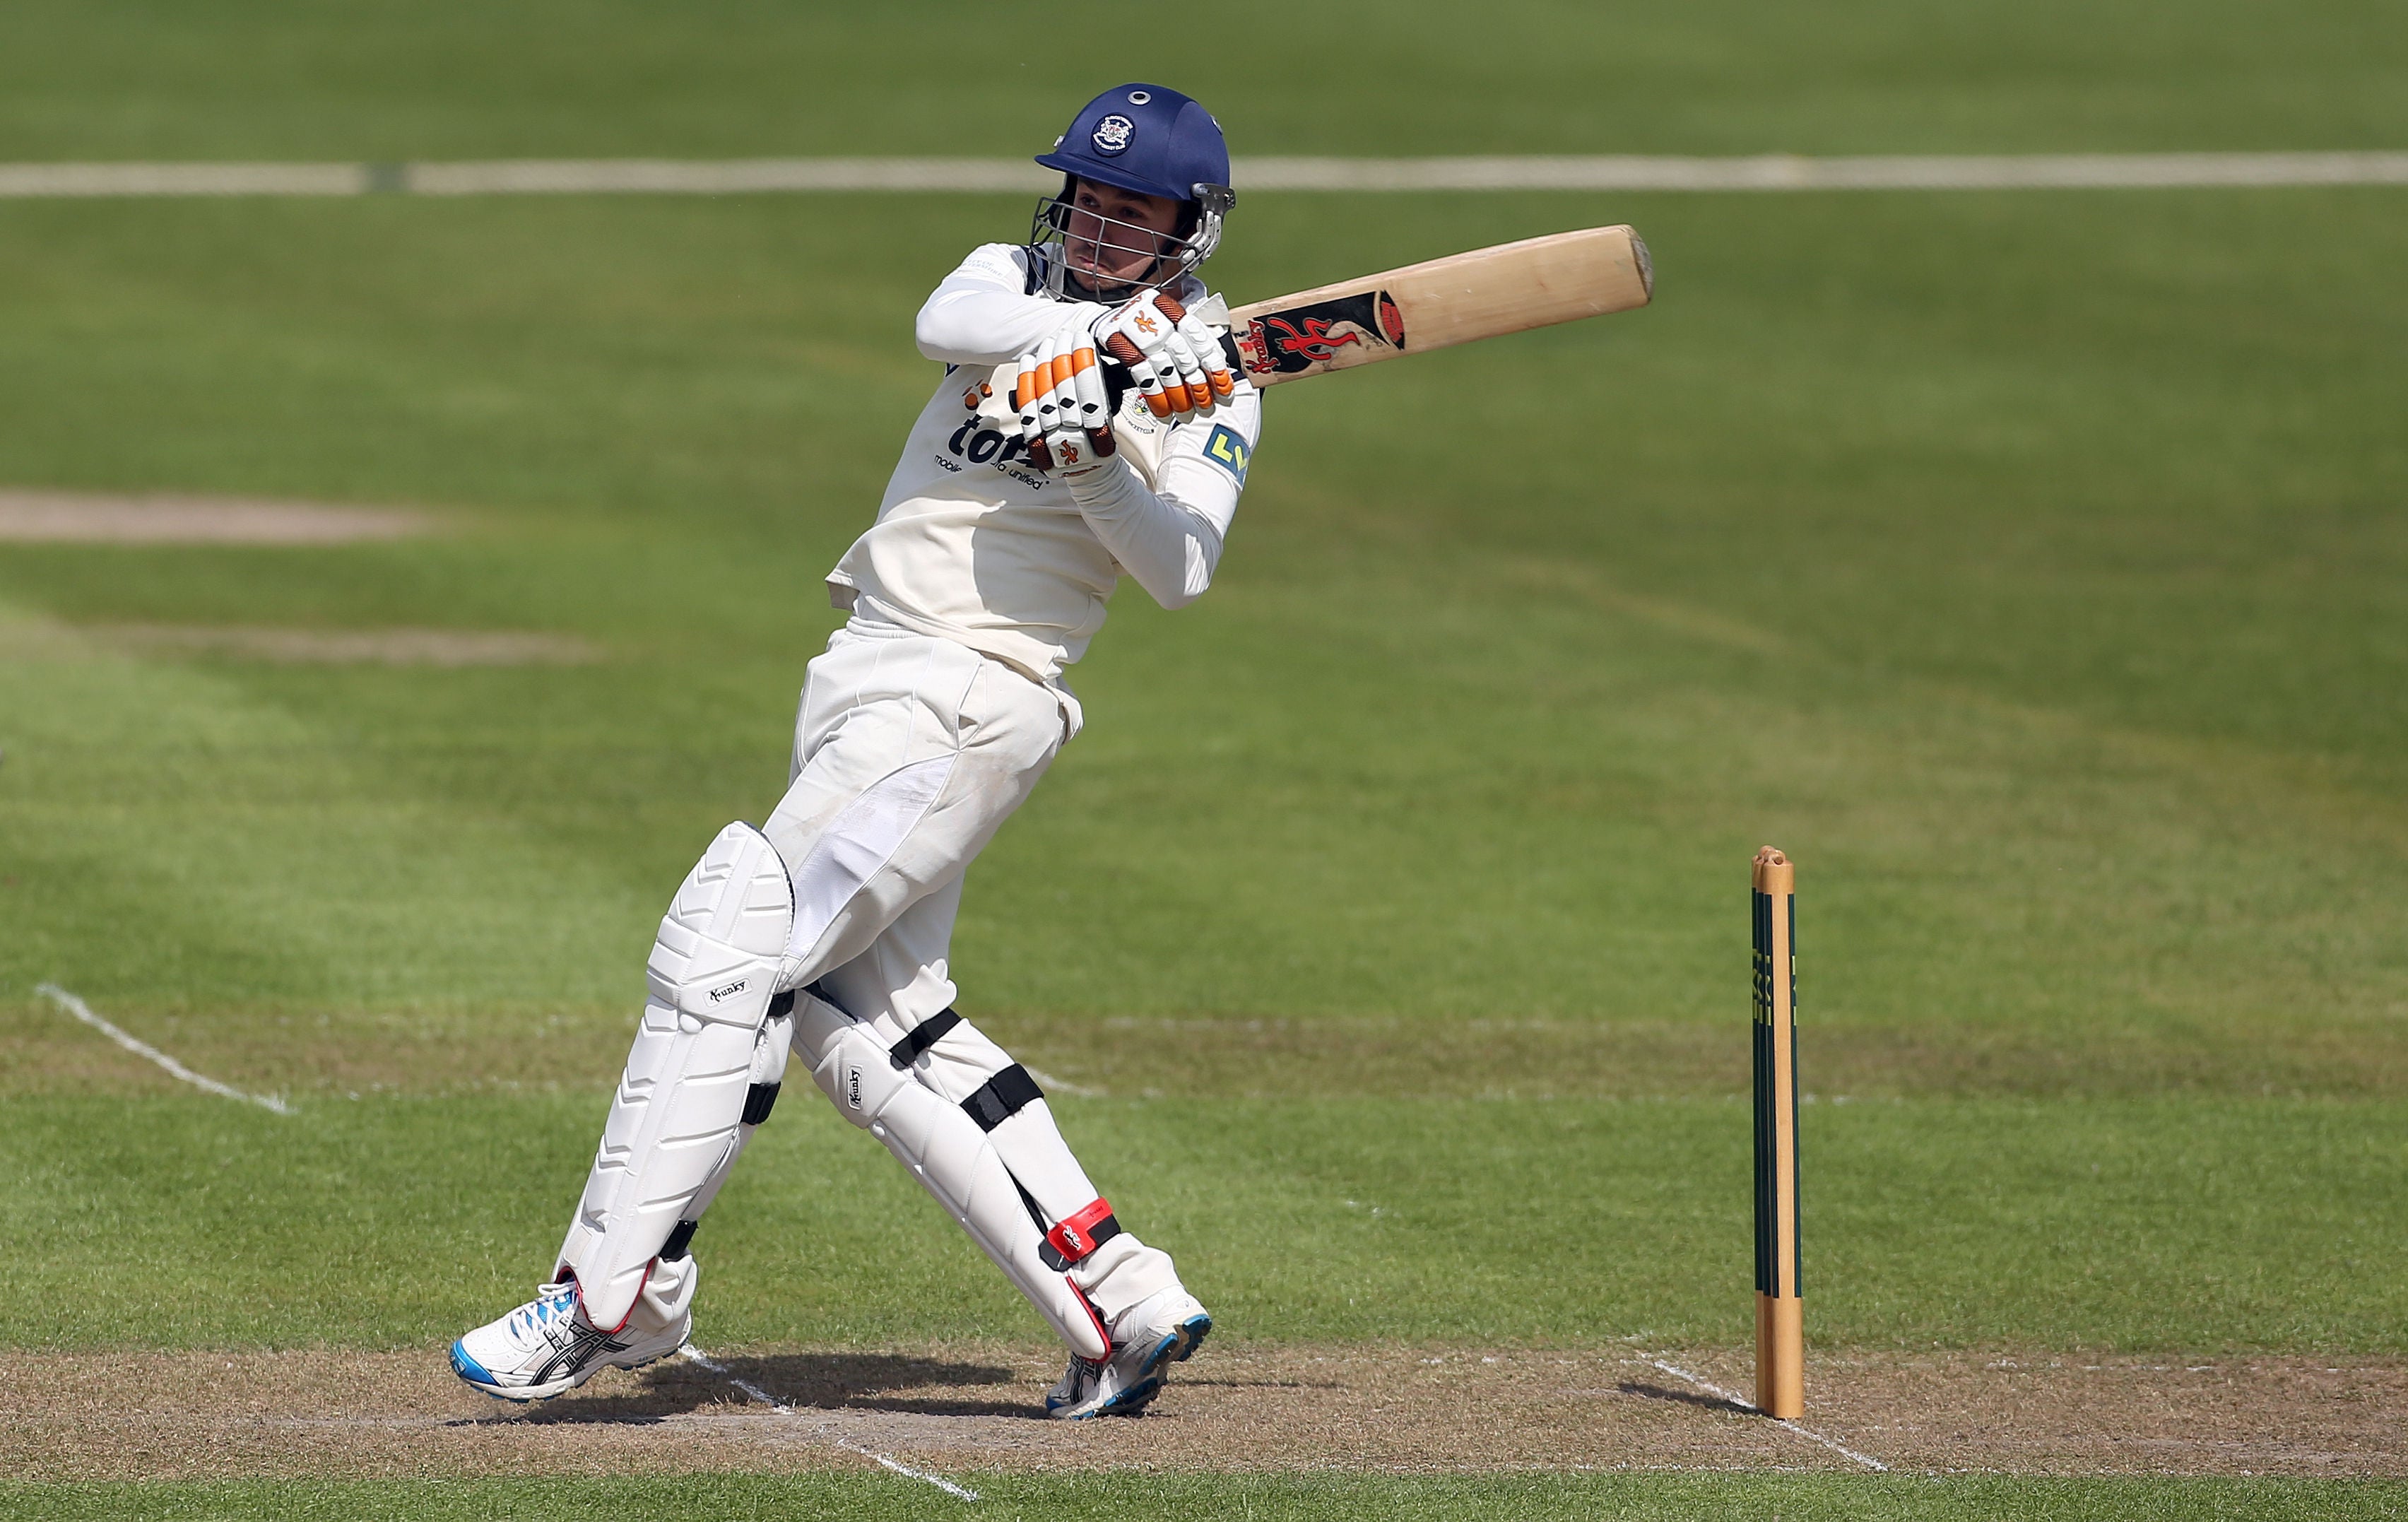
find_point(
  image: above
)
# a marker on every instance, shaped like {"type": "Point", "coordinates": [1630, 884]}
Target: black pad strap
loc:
{"type": "Point", "coordinates": [674, 1248]}
{"type": "Point", "coordinates": [925, 1035]}
{"type": "Point", "coordinates": [757, 1100]}
{"type": "Point", "coordinates": [1002, 1096]}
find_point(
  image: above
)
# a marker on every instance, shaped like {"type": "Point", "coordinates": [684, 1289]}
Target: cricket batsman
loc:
{"type": "Point", "coordinates": [825, 933]}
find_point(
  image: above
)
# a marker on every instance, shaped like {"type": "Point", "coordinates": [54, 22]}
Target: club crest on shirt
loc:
{"type": "Point", "coordinates": [1113, 133]}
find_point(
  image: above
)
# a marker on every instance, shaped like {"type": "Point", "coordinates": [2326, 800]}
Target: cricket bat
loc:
{"type": "Point", "coordinates": [1483, 294]}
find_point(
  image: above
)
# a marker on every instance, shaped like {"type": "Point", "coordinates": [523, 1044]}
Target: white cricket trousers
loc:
{"type": "Point", "coordinates": [909, 753]}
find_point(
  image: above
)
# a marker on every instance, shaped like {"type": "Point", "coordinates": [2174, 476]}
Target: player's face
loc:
{"type": "Point", "coordinates": [1115, 236]}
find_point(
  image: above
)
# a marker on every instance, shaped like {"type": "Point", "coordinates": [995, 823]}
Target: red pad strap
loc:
{"type": "Point", "coordinates": [1084, 1231]}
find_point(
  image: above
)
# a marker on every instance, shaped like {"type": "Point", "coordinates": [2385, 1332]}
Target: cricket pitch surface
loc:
{"type": "Point", "coordinates": [1233, 1408]}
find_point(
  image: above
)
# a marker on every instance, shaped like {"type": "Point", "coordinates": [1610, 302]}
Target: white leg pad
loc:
{"type": "Point", "coordinates": [768, 1074]}
{"type": "Point", "coordinates": [674, 1122]}
{"type": "Point", "coordinates": [951, 1156]}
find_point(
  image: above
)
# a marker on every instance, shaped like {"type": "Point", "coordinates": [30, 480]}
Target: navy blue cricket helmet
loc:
{"type": "Point", "coordinates": [1154, 141]}
{"type": "Point", "coordinates": [1145, 138]}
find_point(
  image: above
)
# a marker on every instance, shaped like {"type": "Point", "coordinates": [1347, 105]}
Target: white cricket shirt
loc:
{"type": "Point", "coordinates": [974, 546]}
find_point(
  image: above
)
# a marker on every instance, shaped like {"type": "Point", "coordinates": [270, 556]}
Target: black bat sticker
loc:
{"type": "Point", "coordinates": [1303, 337]}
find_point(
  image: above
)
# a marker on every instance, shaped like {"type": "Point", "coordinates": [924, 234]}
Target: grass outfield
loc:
{"type": "Point", "coordinates": [2029, 567]}
{"type": "Point", "coordinates": [2116, 1226]}
{"type": "Point", "coordinates": [447, 79]}
{"type": "Point", "coordinates": [2058, 643]}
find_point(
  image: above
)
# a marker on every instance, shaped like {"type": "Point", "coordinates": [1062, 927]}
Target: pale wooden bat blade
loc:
{"type": "Point", "coordinates": [1481, 295]}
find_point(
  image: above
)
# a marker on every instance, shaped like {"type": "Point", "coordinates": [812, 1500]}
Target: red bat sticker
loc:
{"type": "Point", "coordinates": [1315, 342]}
{"type": "Point", "coordinates": [1303, 337]}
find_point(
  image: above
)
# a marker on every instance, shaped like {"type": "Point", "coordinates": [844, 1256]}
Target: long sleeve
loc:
{"type": "Point", "coordinates": [1170, 540]}
{"type": "Point", "coordinates": [982, 314]}
{"type": "Point", "coordinates": [1170, 548]}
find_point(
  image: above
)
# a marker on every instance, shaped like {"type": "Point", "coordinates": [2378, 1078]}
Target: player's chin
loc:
{"type": "Point", "coordinates": [1095, 285]}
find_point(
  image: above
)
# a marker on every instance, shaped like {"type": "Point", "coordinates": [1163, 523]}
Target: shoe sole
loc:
{"type": "Point", "coordinates": [1177, 1346]}
{"type": "Point", "coordinates": [1190, 1334]}
{"type": "Point", "coordinates": [526, 1394]}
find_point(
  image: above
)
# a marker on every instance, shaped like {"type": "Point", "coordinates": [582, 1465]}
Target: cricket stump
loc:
{"type": "Point", "coordinates": [1780, 1321]}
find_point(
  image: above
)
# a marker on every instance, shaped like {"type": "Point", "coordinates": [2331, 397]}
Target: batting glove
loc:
{"type": "Point", "coordinates": [1060, 395]}
{"type": "Point", "coordinates": [1175, 360]}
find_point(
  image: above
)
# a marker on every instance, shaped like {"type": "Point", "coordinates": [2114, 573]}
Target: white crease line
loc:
{"type": "Point", "coordinates": [1049, 1081]}
{"type": "Point", "coordinates": [1793, 172]}
{"type": "Point", "coordinates": [1836, 1447]}
{"type": "Point", "coordinates": [144, 1049]}
{"type": "Point", "coordinates": [948, 1486]}
{"type": "Point", "coordinates": [1509, 172]}
{"type": "Point", "coordinates": [697, 1357]}
{"type": "Point", "coordinates": [704, 1361]}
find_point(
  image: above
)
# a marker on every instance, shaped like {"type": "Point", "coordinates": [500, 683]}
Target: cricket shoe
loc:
{"type": "Point", "coordinates": [546, 1348]}
{"type": "Point", "coordinates": [1162, 1329]}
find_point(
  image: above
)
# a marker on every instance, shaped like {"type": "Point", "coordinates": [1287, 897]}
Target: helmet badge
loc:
{"type": "Point", "coordinates": [1112, 133]}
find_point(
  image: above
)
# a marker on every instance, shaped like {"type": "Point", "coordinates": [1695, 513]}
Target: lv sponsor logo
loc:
{"type": "Point", "coordinates": [1228, 450]}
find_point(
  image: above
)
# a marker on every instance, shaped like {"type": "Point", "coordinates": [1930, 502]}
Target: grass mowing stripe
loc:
{"type": "Point", "coordinates": [2214, 1227]}
{"type": "Point", "coordinates": [455, 79]}
{"type": "Point", "coordinates": [1209, 1497]}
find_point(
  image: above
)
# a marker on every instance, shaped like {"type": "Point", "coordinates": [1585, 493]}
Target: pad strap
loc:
{"type": "Point", "coordinates": [758, 1100]}
{"type": "Point", "coordinates": [925, 1035]}
{"type": "Point", "coordinates": [1002, 1096]}
{"type": "Point", "coordinates": [675, 1247]}
{"type": "Point", "coordinates": [1082, 1231]}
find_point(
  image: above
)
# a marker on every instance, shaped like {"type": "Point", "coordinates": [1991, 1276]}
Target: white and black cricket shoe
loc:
{"type": "Point", "coordinates": [546, 1348]}
{"type": "Point", "coordinates": [1162, 1329]}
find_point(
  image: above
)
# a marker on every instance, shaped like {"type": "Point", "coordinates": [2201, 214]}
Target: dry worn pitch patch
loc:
{"type": "Point", "coordinates": [48, 517]}
{"type": "Point", "coordinates": [120, 1415]}
{"type": "Point", "coordinates": [48, 641]}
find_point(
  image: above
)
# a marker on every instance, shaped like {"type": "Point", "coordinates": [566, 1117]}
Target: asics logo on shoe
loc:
{"type": "Point", "coordinates": [584, 1344]}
